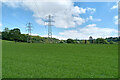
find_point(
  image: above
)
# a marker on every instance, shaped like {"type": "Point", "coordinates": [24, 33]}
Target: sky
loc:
{"type": "Point", "coordinates": [72, 19]}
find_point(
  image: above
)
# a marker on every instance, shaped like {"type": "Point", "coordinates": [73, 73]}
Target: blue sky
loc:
{"type": "Point", "coordinates": [72, 20]}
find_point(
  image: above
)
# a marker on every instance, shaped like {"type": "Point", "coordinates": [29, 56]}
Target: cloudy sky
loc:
{"type": "Point", "coordinates": [72, 19]}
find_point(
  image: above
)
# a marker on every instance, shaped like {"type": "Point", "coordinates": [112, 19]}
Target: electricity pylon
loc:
{"type": "Point", "coordinates": [49, 24]}
{"type": "Point", "coordinates": [29, 29]}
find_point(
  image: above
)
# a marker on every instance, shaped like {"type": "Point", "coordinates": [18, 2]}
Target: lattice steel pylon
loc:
{"type": "Point", "coordinates": [29, 29]}
{"type": "Point", "coordinates": [49, 27]}
{"type": "Point", "coordinates": [49, 20]}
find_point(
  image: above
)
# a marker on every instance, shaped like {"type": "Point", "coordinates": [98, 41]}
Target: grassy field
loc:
{"type": "Point", "coordinates": [23, 60]}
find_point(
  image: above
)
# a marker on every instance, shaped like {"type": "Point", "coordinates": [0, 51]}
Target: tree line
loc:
{"type": "Point", "coordinates": [15, 35]}
{"type": "Point", "coordinates": [113, 40]}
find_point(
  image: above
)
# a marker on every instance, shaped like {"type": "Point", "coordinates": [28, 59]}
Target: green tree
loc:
{"type": "Point", "coordinates": [23, 38]}
{"type": "Point", "coordinates": [112, 42]}
{"type": "Point", "coordinates": [101, 41]}
{"type": "Point", "coordinates": [6, 30]}
{"type": "Point", "coordinates": [5, 34]}
{"type": "Point", "coordinates": [15, 34]}
{"type": "Point", "coordinates": [70, 41]}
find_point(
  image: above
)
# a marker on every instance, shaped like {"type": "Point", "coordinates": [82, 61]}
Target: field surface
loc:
{"type": "Point", "coordinates": [23, 60]}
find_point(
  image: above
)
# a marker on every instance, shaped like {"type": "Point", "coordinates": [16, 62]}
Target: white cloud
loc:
{"type": "Point", "coordinates": [79, 10]}
{"type": "Point", "coordinates": [56, 36]}
{"type": "Point", "coordinates": [89, 30]}
{"type": "Point", "coordinates": [115, 6]}
{"type": "Point", "coordinates": [91, 25]}
{"type": "Point", "coordinates": [35, 34]}
{"type": "Point", "coordinates": [97, 19]}
{"type": "Point", "coordinates": [82, 10]}
{"type": "Point", "coordinates": [63, 11]}
{"type": "Point", "coordinates": [92, 10]}
{"type": "Point", "coordinates": [39, 21]}
{"type": "Point", "coordinates": [79, 20]}
{"type": "Point", "coordinates": [116, 19]}
{"type": "Point", "coordinates": [92, 19]}
{"type": "Point", "coordinates": [0, 25]}
{"type": "Point", "coordinates": [12, 3]}
{"type": "Point", "coordinates": [59, 37]}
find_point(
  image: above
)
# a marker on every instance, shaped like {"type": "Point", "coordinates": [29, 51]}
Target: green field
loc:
{"type": "Point", "coordinates": [23, 60]}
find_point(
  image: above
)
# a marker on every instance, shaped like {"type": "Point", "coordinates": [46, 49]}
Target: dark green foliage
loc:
{"type": "Point", "coordinates": [61, 41]}
{"type": "Point", "coordinates": [23, 38]}
{"type": "Point", "coordinates": [84, 42]}
{"type": "Point", "coordinates": [112, 42]}
{"type": "Point", "coordinates": [15, 35]}
{"type": "Point", "coordinates": [5, 34]}
{"type": "Point", "coordinates": [70, 41]}
{"type": "Point", "coordinates": [101, 41]}
{"type": "Point", "coordinates": [115, 39]}
{"type": "Point", "coordinates": [0, 35]}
